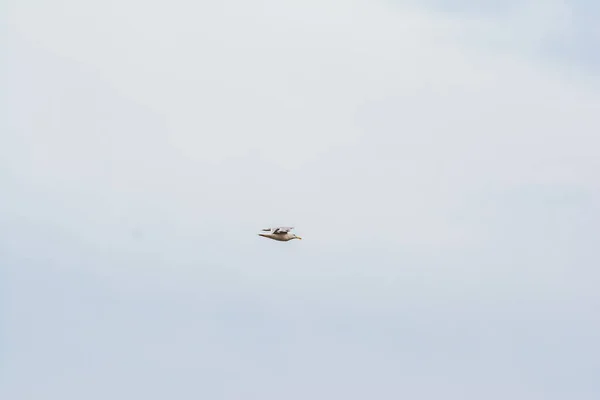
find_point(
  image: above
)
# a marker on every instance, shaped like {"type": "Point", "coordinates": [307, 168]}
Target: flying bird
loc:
{"type": "Point", "coordinates": [281, 234]}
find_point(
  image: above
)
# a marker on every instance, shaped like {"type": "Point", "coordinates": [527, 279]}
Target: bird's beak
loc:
{"type": "Point", "coordinates": [298, 237]}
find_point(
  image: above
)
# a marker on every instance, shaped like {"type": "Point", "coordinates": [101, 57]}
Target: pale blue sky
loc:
{"type": "Point", "coordinates": [441, 167]}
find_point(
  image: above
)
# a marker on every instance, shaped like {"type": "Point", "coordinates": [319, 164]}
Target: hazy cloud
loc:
{"type": "Point", "coordinates": [441, 169]}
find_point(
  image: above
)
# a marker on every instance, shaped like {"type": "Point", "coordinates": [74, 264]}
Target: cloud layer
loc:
{"type": "Point", "coordinates": [439, 166]}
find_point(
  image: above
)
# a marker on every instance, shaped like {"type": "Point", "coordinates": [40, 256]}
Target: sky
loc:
{"type": "Point", "coordinates": [439, 159]}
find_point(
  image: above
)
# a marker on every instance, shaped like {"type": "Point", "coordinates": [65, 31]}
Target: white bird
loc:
{"type": "Point", "coordinates": [281, 234]}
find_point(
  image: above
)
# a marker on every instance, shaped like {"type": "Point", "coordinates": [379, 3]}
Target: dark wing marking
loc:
{"type": "Point", "coordinates": [282, 230]}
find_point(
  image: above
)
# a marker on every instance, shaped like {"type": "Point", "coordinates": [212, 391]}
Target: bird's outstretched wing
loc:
{"type": "Point", "coordinates": [279, 229]}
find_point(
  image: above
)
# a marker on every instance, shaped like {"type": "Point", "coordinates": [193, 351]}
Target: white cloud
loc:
{"type": "Point", "coordinates": [146, 143]}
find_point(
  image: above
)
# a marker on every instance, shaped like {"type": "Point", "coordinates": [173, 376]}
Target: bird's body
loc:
{"type": "Point", "coordinates": [281, 234]}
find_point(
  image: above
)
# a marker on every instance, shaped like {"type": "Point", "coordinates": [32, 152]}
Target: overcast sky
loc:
{"type": "Point", "coordinates": [439, 158]}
